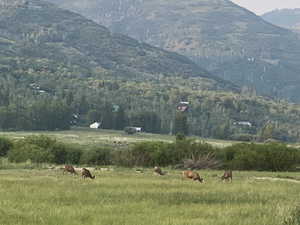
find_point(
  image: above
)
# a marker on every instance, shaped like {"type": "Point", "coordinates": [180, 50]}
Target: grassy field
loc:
{"type": "Point", "coordinates": [124, 197]}
{"type": "Point", "coordinates": [89, 137]}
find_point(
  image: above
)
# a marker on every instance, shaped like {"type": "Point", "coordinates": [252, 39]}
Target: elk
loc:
{"type": "Point", "coordinates": [192, 175]}
{"type": "Point", "coordinates": [158, 171]}
{"type": "Point", "coordinates": [86, 174]}
{"type": "Point", "coordinates": [69, 169]}
{"type": "Point", "coordinates": [227, 175]}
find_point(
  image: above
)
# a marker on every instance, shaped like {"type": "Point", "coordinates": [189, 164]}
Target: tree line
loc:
{"type": "Point", "coordinates": [57, 102]}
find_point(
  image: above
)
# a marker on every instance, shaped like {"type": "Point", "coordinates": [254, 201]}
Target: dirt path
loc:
{"type": "Point", "coordinates": [277, 179]}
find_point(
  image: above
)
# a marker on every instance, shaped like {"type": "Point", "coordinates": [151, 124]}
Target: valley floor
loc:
{"type": "Point", "coordinates": [87, 137]}
{"type": "Point", "coordinates": [125, 197]}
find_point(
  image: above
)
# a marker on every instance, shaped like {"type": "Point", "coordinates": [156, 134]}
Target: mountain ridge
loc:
{"type": "Point", "coordinates": [286, 18]}
{"type": "Point", "coordinates": [226, 39]}
{"type": "Point", "coordinates": [66, 37]}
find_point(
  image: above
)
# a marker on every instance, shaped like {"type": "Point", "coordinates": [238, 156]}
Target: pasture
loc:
{"type": "Point", "coordinates": [92, 137]}
{"type": "Point", "coordinates": [125, 197]}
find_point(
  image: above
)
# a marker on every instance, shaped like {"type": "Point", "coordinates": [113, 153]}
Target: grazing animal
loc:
{"type": "Point", "coordinates": [158, 171]}
{"type": "Point", "coordinates": [87, 174]}
{"type": "Point", "coordinates": [227, 175]}
{"type": "Point", "coordinates": [192, 175]}
{"type": "Point", "coordinates": [69, 169]}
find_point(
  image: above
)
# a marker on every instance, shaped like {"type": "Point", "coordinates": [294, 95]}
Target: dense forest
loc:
{"type": "Point", "coordinates": [54, 102]}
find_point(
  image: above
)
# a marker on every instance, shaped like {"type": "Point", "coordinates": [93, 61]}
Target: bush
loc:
{"type": "Point", "coordinates": [40, 149]}
{"type": "Point", "coordinates": [161, 153]}
{"type": "Point", "coordinates": [270, 157]}
{"type": "Point", "coordinates": [97, 156]}
{"type": "Point", "coordinates": [23, 151]}
{"type": "Point", "coordinates": [5, 146]}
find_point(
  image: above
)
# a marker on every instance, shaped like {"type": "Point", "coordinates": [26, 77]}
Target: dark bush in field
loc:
{"type": "Point", "coordinates": [269, 157]}
{"type": "Point", "coordinates": [161, 153]}
{"type": "Point", "coordinates": [97, 156]}
{"type": "Point", "coordinates": [5, 146]}
{"type": "Point", "coordinates": [41, 149]}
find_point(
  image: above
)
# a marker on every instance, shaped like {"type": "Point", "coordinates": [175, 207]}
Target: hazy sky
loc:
{"type": "Point", "coordinates": [262, 6]}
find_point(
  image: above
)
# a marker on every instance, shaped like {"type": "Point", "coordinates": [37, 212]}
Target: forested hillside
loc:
{"type": "Point", "coordinates": [58, 69]}
{"type": "Point", "coordinates": [224, 38]}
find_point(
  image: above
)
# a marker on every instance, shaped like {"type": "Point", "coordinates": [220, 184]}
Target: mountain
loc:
{"type": "Point", "coordinates": [229, 41]}
{"type": "Point", "coordinates": [59, 69]}
{"type": "Point", "coordinates": [42, 37]}
{"type": "Point", "coordinates": [287, 18]}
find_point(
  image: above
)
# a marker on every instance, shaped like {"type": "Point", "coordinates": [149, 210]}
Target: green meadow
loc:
{"type": "Point", "coordinates": [125, 197]}
{"type": "Point", "coordinates": [90, 137]}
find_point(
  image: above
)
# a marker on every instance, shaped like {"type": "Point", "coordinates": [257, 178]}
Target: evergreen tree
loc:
{"type": "Point", "coordinates": [181, 125]}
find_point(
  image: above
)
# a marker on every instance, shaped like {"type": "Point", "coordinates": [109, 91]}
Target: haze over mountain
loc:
{"type": "Point", "coordinates": [37, 32]}
{"type": "Point", "coordinates": [287, 18]}
{"type": "Point", "coordinates": [229, 41]}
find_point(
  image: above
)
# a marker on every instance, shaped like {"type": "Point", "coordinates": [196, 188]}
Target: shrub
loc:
{"type": "Point", "coordinates": [5, 146]}
{"type": "Point", "coordinates": [161, 153]}
{"type": "Point", "coordinates": [96, 156]}
{"type": "Point", "coordinates": [123, 158]}
{"type": "Point", "coordinates": [23, 151]}
{"type": "Point", "coordinates": [41, 149]}
{"type": "Point", "coordinates": [73, 155]}
{"type": "Point", "coordinates": [272, 157]}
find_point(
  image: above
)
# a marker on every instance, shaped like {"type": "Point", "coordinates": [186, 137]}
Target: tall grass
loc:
{"type": "Point", "coordinates": [124, 197]}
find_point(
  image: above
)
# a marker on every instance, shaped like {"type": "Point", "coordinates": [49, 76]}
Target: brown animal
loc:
{"type": "Point", "coordinates": [87, 174]}
{"type": "Point", "coordinates": [192, 175]}
{"type": "Point", "coordinates": [227, 175]}
{"type": "Point", "coordinates": [158, 171]}
{"type": "Point", "coordinates": [69, 169]}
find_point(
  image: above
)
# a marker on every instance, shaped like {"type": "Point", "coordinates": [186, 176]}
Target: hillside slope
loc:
{"type": "Point", "coordinates": [41, 37]}
{"type": "Point", "coordinates": [59, 69]}
{"type": "Point", "coordinates": [224, 38]}
{"type": "Point", "coordinates": [287, 18]}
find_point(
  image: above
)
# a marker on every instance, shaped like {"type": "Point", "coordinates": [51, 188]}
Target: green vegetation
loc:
{"type": "Point", "coordinates": [52, 77]}
{"type": "Point", "coordinates": [224, 38]}
{"type": "Point", "coordinates": [124, 197]}
{"type": "Point", "coordinates": [183, 153]}
{"type": "Point", "coordinates": [272, 156]}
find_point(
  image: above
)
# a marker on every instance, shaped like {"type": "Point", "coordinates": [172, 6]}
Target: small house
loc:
{"type": "Point", "coordinates": [183, 106]}
{"type": "Point", "coordinates": [95, 125]}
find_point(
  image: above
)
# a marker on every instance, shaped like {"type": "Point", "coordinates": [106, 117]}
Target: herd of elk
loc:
{"type": "Point", "coordinates": [157, 170]}
{"type": "Point", "coordinates": [85, 172]}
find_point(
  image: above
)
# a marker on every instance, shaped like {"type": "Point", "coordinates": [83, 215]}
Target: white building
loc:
{"type": "Point", "coordinates": [95, 125]}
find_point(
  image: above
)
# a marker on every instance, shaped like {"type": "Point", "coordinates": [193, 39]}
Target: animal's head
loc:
{"type": "Point", "coordinates": [93, 177]}
{"type": "Point", "coordinates": [201, 180]}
